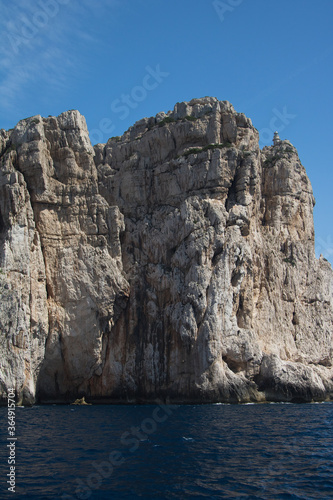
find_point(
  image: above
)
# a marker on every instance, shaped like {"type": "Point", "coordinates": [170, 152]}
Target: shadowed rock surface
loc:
{"type": "Point", "coordinates": [175, 262]}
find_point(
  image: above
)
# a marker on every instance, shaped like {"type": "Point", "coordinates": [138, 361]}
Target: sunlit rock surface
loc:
{"type": "Point", "coordinates": [175, 262]}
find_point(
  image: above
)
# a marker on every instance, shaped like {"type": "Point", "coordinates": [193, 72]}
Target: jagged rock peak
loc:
{"type": "Point", "coordinates": [184, 111]}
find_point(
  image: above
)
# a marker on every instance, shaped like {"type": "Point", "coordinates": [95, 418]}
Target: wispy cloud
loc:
{"type": "Point", "coordinates": [44, 42]}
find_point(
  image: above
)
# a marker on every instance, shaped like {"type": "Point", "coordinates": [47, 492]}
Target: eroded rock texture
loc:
{"type": "Point", "coordinates": [175, 262]}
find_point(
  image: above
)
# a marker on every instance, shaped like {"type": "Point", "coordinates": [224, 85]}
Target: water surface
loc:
{"type": "Point", "coordinates": [268, 451]}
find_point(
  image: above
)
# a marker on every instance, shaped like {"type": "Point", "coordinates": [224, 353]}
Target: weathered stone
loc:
{"type": "Point", "coordinates": [60, 255]}
{"type": "Point", "coordinates": [174, 262]}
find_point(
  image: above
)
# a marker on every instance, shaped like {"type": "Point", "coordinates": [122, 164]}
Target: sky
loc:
{"type": "Point", "coordinates": [117, 61]}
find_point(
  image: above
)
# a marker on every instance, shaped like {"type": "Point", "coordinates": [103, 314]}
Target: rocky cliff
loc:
{"type": "Point", "coordinates": [175, 262]}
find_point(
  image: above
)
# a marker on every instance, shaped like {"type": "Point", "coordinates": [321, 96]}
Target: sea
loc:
{"type": "Point", "coordinates": [251, 451]}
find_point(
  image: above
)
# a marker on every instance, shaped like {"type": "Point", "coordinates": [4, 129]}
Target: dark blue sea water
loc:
{"type": "Point", "coordinates": [269, 451]}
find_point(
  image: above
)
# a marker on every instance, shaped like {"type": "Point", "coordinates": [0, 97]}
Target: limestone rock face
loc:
{"type": "Point", "coordinates": [174, 262]}
{"type": "Point", "coordinates": [62, 280]}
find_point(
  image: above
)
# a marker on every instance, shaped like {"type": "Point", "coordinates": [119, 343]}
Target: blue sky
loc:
{"type": "Point", "coordinates": [117, 61]}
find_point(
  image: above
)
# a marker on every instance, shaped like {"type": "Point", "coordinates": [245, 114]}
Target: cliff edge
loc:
{"type": "Point", "coordinates": [175, 262]}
